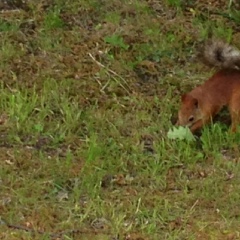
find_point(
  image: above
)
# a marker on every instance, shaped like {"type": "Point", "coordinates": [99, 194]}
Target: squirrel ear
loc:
{"type": "Point", "coordinates": [183, 98]}
{"type": "Point", "coordinates": [195, 101]}
{"type": "Point", "coordinates": [189, 99]}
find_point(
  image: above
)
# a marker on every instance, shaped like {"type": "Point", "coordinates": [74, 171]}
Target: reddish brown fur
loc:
{"type": "Point", "coordinates": [201, 104]}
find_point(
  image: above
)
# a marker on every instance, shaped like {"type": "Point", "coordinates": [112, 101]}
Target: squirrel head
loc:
{"type": "Point", "coordinates": [189, 112]}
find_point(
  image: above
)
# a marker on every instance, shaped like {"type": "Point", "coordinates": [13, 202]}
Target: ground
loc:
{"type": "Point", "coordinates": [89, 90]}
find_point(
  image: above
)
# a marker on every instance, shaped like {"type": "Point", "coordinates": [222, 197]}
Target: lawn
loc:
{"type": "Point", "coordinates": [89, 90]}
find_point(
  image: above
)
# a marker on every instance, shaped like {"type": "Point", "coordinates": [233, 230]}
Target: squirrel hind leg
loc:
{"type": "Point", "coordinates": [233, 128]}
{"type": "Point", "coordinates": [234, 109]}
{"type": "Point", "coordinates": [235, 121]}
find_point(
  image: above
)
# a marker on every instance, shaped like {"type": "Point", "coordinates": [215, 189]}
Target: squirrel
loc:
{"type": "Point", "coordinates": [199, 106]}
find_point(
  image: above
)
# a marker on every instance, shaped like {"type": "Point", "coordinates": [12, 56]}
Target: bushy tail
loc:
{"type": "Point", "coordinates": [217, 53]}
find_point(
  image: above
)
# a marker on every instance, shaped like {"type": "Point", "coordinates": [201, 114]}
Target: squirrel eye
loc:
{"type": "Point", "coordinates": [191, 119]}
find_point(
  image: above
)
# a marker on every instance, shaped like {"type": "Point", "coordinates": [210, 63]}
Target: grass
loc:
{"type": "Point", "coordinates": [85, 106]}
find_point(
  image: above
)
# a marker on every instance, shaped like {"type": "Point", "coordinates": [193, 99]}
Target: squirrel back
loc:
{"type": "Point", "coordinates": [217, 53]}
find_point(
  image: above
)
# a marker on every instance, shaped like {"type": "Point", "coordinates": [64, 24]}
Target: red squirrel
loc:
{"type": "Point", "coordinates": [199, 106]}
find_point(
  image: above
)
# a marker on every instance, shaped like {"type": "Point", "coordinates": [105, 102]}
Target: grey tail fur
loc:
{"type": "Point", "coordinates": [217, 53]}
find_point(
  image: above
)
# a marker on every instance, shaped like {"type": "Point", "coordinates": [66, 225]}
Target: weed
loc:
{"type": "Point", "coordinates": [116, 41]}
{"type": "Point", "coordinates": [175, 3]}
{"type": "Point", "coordinates": [53, 20]}
{"type": "Point", "coordinates": [6, 26]}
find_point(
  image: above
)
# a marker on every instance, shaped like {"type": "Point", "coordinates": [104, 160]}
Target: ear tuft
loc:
{"type": "Point", "coordinates": [184, 97]}
{"type": "Point", "coordinates": [195, 102]}
{"type": "Point", "coordinates": [187, 98]}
